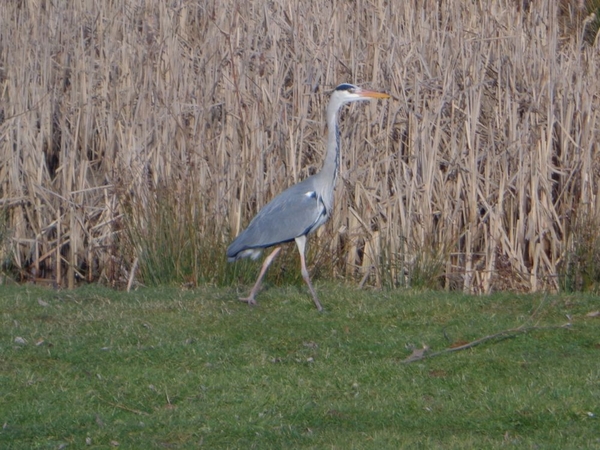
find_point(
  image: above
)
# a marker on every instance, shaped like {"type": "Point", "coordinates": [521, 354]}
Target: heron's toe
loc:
{"type": "Point", "coordinates": [248, 300]}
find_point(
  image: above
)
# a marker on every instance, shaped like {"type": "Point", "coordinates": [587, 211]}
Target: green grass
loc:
{"type": "Point", "coordinates": [169, 368]}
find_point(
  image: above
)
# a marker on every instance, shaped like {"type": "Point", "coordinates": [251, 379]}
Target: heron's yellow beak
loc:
{"type": "Point", "coordinates": [373, 94]}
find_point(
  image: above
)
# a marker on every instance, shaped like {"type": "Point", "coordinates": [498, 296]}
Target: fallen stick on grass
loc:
{"type": "Point", "coordinates": [125, 408]}
{"type": "Point", "coordinates": [421, 353]}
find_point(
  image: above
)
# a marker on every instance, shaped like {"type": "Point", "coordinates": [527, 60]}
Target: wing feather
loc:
{"type": "Point", "coordinates": [295, 212]}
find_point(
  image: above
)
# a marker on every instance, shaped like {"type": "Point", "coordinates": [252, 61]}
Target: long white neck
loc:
{"type": "Point", "coordinates": [331, 166]}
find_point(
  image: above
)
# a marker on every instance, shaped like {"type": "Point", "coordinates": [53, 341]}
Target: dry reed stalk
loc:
{"type": "Point", "coordinates": [470, 179]}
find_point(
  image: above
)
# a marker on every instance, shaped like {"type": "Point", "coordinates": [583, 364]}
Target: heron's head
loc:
{"type": "Point", "coordinates": [346, 92]}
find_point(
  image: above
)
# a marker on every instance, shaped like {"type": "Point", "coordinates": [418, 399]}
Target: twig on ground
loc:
{"type": "Point", "coordinates": [125, 408]}
{"type": "Point", "coordinates": [420, 354]}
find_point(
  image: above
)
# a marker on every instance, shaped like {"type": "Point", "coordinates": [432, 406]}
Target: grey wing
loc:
{"type": "Point", "coordinates": [294, 212]}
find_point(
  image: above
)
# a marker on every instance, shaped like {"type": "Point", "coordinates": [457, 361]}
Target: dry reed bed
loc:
{"type": "Point", "coordinates": [473, 175]}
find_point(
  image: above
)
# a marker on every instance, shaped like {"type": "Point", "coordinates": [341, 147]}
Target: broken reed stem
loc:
{"type": "Point", "coordinates": [132, 274]}
{"type": "Point", "coordinates": [124, 408]}
{"type": "Point", "coordinates": [420, 355]}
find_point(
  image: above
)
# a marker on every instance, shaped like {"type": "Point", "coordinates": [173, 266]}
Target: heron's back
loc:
{"type": "Point", "coordinates": [297, 211]}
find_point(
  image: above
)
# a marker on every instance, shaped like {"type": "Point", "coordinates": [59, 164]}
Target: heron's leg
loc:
{"type": "Point", "coordinates": [268, 260]}
{"type": "Point", "coordinates": [301, 243]}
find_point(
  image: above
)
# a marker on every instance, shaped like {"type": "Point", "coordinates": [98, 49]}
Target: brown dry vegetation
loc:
{"type": "Point", "coordinates": [133, 129]}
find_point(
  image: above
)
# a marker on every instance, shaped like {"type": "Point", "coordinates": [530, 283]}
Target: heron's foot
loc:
{"type": "Point", "coordinates": [250, 300]}
{"type": "Point", "coordinates": [317, 303]}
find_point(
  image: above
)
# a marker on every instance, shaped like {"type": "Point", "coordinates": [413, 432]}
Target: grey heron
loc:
{"type": "Point", "coordinates": [302, 208]}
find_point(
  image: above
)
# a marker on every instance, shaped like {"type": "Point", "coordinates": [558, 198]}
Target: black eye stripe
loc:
{"type": "Point", "coordinates": [345, 87]}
